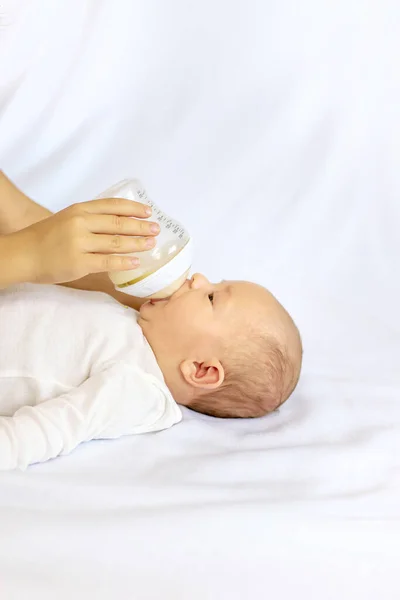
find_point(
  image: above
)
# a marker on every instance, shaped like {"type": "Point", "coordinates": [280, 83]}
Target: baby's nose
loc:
{"type": "Point", "coordinates": [198, 281]}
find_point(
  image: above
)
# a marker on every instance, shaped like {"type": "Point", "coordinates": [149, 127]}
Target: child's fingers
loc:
{"type": "Point", "coordinates": [120, 244]}
{"type": "Point", "coordinates": [115, 224]}
{"type": "Point", "coordinates": [114, 206]}
{"type": "Point", "coordinates": [101, 263]}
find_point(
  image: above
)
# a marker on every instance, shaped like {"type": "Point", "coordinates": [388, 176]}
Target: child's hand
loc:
{"type": "Point", "coordinates": [84, 238]}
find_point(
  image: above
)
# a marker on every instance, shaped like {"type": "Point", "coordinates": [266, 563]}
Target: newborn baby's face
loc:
{"type": "Point", "coordinates": [202, 316]}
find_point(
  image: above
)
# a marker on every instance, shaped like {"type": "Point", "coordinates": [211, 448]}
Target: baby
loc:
{"type": "Point", "coordinates": [76, 366]}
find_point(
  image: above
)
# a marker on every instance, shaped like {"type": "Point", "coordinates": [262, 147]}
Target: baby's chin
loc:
{"type": "Point", "coordinates": [151, 310]}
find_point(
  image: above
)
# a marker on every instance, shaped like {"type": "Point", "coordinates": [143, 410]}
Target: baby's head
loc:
{"type": "Point", "coordinates": [227, 349]}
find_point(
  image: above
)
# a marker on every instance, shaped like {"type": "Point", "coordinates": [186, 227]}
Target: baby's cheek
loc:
{"type": "Point", "coordinates": [183, 322]}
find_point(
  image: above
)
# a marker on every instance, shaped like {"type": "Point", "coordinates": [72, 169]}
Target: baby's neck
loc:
{"type": "Point", "coordinates": [169, 368]}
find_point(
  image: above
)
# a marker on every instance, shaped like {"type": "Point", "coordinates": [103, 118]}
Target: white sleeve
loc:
{"type": "Point", "coordinates": [118, 401]}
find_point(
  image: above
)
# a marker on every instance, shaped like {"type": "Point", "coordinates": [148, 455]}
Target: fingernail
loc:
{"type": "Point", "coordinates": [149, 242]}
{"type": "Point", "coordinates": [148, 211]}
{"type": "Point", "coordinates": [135, 261]}
{"type": "Point", "coordinates": [154, 228]}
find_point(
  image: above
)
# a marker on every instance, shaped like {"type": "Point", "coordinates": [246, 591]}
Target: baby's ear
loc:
{"type": "Point", "coordinates": [207, 375]}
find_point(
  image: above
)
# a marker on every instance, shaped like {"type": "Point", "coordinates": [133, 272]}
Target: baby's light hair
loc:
{"type": "Point", "coordinates": [260, 374]}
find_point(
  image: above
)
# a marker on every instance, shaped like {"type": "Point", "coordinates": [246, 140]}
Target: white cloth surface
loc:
{"type": "Point", "coordinates": [74, 366]}
{"type": "Point", "coordinates": [271, 130]}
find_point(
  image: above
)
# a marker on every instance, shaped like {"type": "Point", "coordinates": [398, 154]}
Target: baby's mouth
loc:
{"type": "Point", "coordinates": [155, 300]}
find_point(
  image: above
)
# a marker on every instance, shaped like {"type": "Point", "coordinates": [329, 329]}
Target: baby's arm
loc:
{"type": "Point", "coordinates": [111, 403]}
{"type": "Point", "coordinates": [57, 426]}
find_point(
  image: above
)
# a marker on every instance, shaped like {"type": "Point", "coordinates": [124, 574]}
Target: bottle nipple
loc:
{"type": "Point", "coordinates": [172, 287]}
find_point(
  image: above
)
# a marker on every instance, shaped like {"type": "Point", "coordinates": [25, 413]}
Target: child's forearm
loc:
{"type": "Point", "coordinates": [15, 262]}
{"type": "Point", "coordinates": [16, 209]}
{"type": "Point", "coordinates": [101, 283]}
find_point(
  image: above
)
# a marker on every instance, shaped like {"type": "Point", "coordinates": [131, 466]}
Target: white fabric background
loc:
{"type": "Point", "coordinates": [271, 129]}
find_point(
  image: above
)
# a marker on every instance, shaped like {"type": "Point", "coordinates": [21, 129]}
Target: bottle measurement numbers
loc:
{"type": "Point", "coordinates": [169, 224]}
{"type": "Point", "coordinates": [164, 221]}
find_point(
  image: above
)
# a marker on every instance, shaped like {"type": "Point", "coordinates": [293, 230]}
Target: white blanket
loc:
{"type": "Point", "coordinates": [271, 129]}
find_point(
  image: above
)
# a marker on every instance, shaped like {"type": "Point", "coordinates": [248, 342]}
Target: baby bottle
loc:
{"type": "Point", "coordinates": [164, 268]}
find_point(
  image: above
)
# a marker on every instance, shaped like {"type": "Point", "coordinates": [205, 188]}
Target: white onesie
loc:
{"type": "Point", "coordinates": [74, 366]}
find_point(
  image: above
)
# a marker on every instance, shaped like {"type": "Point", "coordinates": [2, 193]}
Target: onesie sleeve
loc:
{"type": "Point", "coordinates": [119, 400]}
